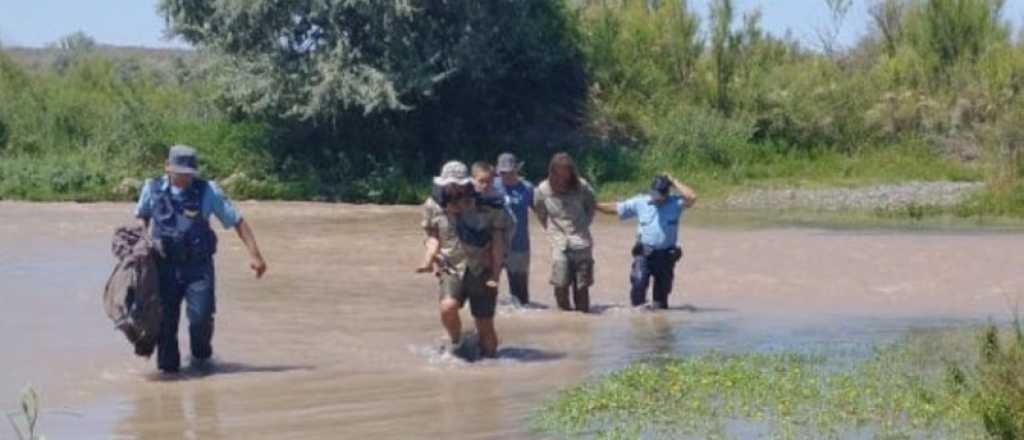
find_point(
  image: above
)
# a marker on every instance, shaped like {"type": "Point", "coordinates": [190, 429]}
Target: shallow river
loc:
{"type": "Point", "coordinates": [340, 339]}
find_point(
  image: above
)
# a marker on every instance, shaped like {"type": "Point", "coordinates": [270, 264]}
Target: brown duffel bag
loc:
{"type": "Point", "coordinates": [132, 296]}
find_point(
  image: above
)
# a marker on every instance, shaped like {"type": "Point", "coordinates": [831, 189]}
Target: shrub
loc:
{"type": "Point", "coordinates": [688, 138]}
{"type": "Point", "coordinates": [999, 396]}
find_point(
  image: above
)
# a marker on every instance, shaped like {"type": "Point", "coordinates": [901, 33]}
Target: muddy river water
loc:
{"type": "Point", "coordinates": [340, 339]}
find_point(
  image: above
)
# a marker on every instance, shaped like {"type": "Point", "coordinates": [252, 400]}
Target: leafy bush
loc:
{"type": "Point", "coordinates": [691, 138]}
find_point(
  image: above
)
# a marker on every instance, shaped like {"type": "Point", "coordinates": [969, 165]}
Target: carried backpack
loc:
{"type": "Point", "coordinates": [131, 298]}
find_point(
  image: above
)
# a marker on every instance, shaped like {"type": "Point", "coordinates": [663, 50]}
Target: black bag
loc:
{"type": "Point", "coordinates": [639, 250]}
{"type": "Point", "coordinates": [676, 253]}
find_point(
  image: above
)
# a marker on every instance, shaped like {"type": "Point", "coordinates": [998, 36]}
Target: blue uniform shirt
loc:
{"type": "Point", "coordinates": [658, 224]}
{"type": "Point", "coordinates": [518, 198]}
{"type": "Point", "coordinates": [214, 202]}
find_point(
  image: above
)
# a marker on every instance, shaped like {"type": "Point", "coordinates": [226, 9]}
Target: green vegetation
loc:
{"type": "Point", "coordinates": [933, 93]}
{"type": "Point", "coordinates": [287, 101]}
{"type": "Point", "coordinates": [77, 132]}
{"type": "Point", "coordinates": [24, 420]}
{"type": "Point", "coordinates": [931, 384]}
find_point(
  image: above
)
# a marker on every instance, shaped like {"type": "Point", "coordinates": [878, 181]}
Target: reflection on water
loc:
{"type": "Point", "coordinates": [340, 339]}
{"type": "Point", "coordinates": [185, 412]}
{"type": "Point", "coordinates": [652, 335]}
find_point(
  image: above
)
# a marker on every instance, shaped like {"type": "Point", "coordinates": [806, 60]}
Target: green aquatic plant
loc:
{"type": "Point", "coordinates": [998, 388]}
{"type": "Point", "coordinates": [24, 421]}
{"type": "Point", "coordinates": [902, 390]}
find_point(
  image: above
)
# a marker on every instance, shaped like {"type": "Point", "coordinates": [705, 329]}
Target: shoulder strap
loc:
{"type": "Point", "coordinates": [155, 185]}
{"type": "Point", "coordinates": [201, 186]}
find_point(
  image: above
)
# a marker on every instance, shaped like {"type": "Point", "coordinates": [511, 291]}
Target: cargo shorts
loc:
{"type": "Point", "coordinates": [471, 286]}
{"type": "Point", "coordinates": [572, 267]}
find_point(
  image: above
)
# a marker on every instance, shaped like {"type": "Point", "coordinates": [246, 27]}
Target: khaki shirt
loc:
{"type": "Point", "coordinates": [566, 216]}
{"type": "Point", "coordinates": [460, 253]}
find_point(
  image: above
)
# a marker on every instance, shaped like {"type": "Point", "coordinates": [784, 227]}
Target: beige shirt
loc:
{"type": "Point", "coordinates": [463, 254]}
{"type": "Point", "coordinates": [566, 216]}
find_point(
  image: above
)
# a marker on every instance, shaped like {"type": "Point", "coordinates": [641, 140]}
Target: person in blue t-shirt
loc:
{"type": "Point", "coordinates": [518, 199]}
{"type": "Point", "coordinates": [657, 249]}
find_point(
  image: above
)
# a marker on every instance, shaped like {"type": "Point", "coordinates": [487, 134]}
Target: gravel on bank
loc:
{"type": "Point", "coordinates": [877, 197]}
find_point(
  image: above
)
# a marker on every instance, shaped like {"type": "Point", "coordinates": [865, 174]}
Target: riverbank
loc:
{"type": "Point", "coordinates": [942, 194]}
{"type": "Point", "coordinates": [882, 186]}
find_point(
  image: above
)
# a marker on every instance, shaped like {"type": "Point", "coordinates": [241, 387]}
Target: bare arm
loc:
{"type": "Point", "coordinates": [689, 195]}
{"type": "Point", "coordinates": [540, 210]}
{"type": "Point", "coordinates": [497, 257]}
{"type": "Point", "coordinates": [433, 249]}
{"type": "Point", "coordinates": [589, 203]}
{"type": "Point", "coordinates": [245, 233]}
{"type": "Point", "coordinates": [609, 208]}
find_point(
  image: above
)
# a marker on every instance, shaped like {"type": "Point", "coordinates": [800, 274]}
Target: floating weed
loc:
{"type": "Point", "coordinates": [903, 390]}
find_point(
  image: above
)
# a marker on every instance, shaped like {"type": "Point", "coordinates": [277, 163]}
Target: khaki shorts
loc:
{"type": "Point", "coordinates": [572, 266]}
{"type": "Point", "coordinates": [517, 262]}
{"type": "Point", "coordinates": [471, 286]}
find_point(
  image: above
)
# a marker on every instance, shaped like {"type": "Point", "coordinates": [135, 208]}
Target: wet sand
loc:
{"type": "Point", "coordinates": [340, 339]}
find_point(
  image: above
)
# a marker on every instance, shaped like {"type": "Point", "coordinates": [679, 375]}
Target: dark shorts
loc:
{"type": "Point", "coordinates": [473, 287]}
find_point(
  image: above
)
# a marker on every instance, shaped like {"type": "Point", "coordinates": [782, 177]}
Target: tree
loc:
{"type": "Point", "coordinates": [686, 38]}
{"type": "Point", "coordinates": [828, 36]}
{"type": "Point", "coordinates": [315, 59]}
{"type": "Point", "coordinates": [725, 50]}
{"type": "Point", "coordinates": [71, 48]}
{"type": "Point", "coordinates": [954, 30]}
{"type": "Point", "coordinates": [887, 16]}
{"type": "Point", "coordinates": [360, 91]}
{"type": "Point", "coordinates": [77, 42]}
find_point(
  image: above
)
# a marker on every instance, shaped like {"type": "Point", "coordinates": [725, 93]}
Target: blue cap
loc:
{"type": "Point", "coordinates": [182, 160]}
{"type": "Point", "coordinates": [660, 186]}
{"type": "Point", "coordinates": [508, 163]}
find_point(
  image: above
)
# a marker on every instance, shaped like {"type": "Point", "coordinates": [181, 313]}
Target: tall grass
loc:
{"type": "Point", "coordinates": [998, 388]}
{"type": "Point", "coordinates": [24, 420]}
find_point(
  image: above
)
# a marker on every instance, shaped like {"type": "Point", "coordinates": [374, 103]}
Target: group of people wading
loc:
{"type": "Point", "coordinates": [477, 224]}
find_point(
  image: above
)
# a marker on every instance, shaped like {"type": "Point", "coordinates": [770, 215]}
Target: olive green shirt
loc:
{"type": "Point", "coordinates": [566, 216]}
{"type": "Point", "coordinates": [461, 254]}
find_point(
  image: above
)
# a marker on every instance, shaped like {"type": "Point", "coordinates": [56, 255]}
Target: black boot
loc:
{"type": "Point", "coordinates": [518, 284]}
{"type": "Point", "coordinates": [562, 298]}
{"type": "Point", "coordinates": [582, 299]}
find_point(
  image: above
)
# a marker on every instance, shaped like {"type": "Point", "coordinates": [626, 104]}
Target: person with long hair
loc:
{"type": "Point", "coordinates": [565, 204]}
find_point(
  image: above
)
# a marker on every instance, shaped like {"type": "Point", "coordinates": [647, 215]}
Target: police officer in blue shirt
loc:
{"type": "Point", "coordinates": [177, 208]}
{"type": "Point", "coordinates": [656, 251]}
